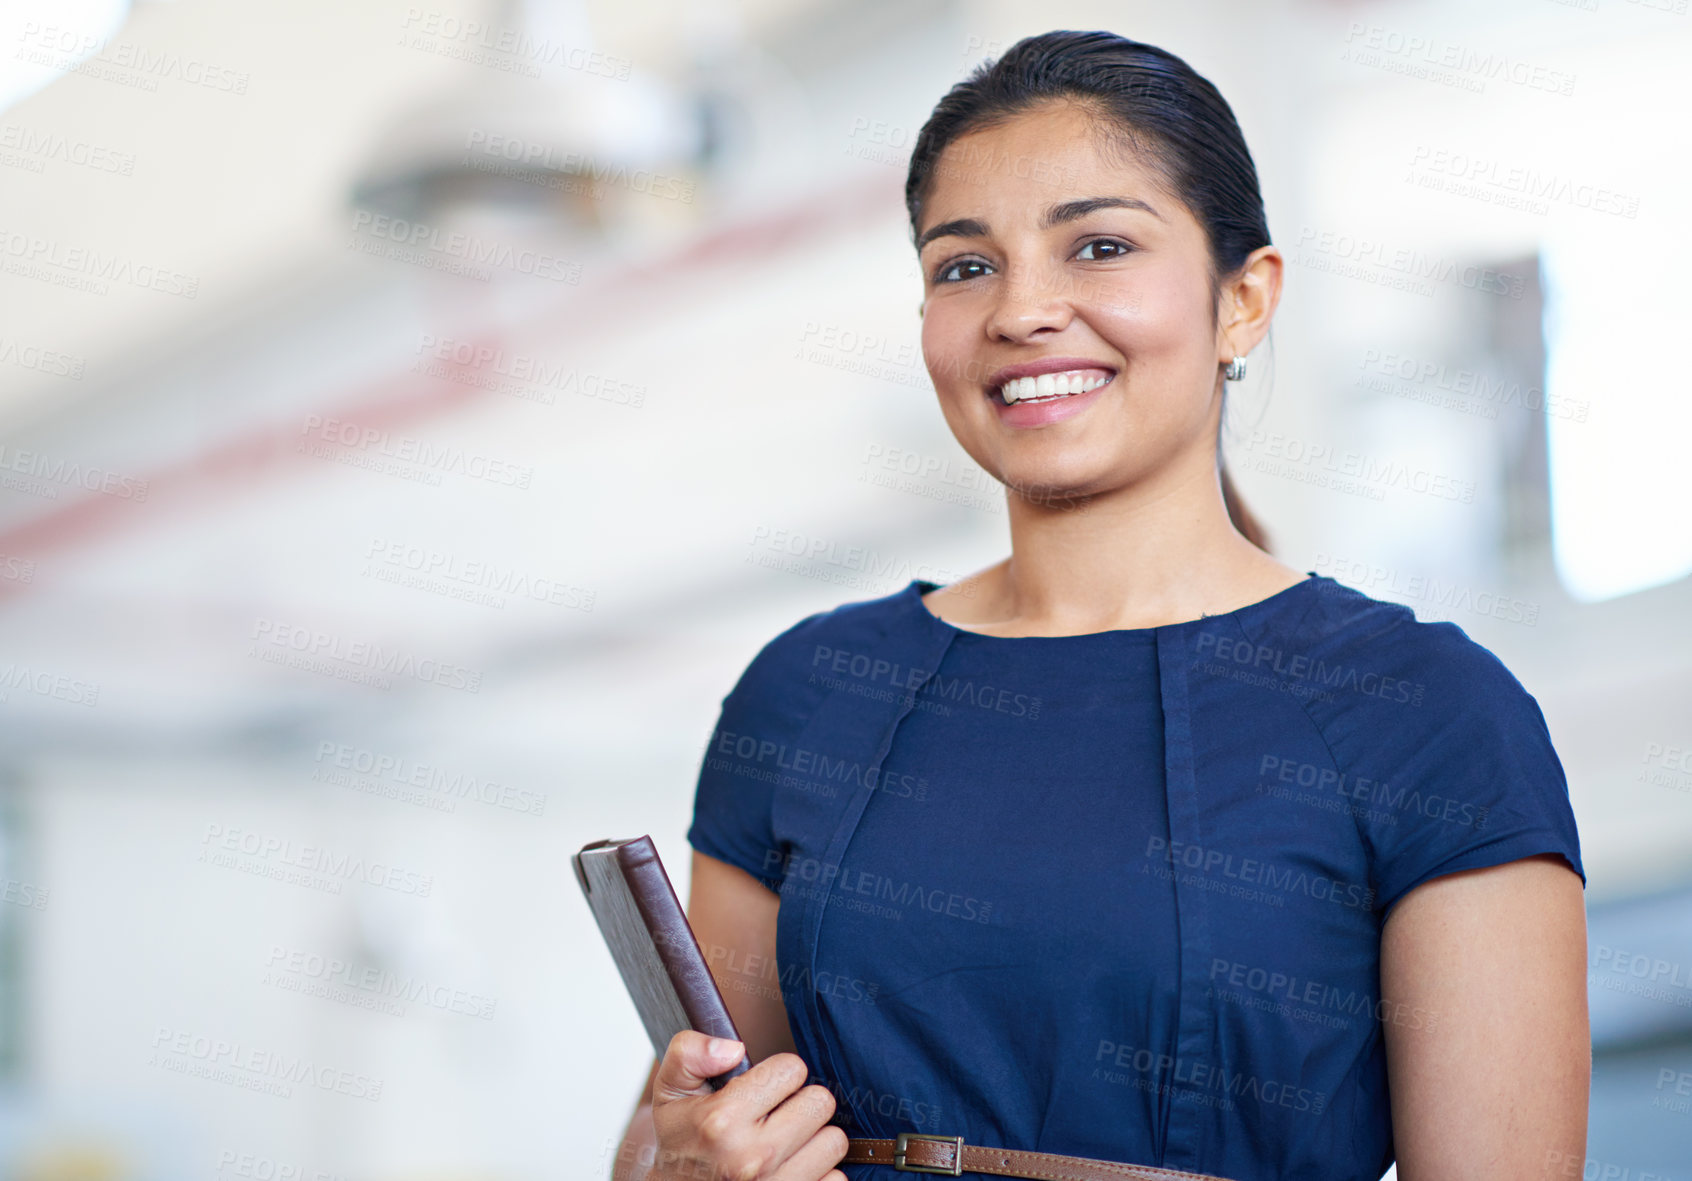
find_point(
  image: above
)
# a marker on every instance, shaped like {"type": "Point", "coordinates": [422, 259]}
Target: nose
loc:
{"type": "Point", "coordinates": [1030, 304]}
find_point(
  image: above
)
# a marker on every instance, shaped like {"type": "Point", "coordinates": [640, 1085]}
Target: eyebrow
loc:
{"type": "Point", "coordinates": [966, 227]}
{"type": "Point", "coordinates": [1055, 215]}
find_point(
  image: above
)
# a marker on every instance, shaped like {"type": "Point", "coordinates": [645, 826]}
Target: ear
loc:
{"type": "Point", "coordinates": [1248, 304]}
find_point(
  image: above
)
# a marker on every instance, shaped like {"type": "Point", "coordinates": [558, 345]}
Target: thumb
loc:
{"type": "Point", "coordinates": [692, 1058]}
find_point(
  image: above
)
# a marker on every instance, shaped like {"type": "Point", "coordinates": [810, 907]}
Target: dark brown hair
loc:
{"type": "Point", "coordinates": [1154, 105]}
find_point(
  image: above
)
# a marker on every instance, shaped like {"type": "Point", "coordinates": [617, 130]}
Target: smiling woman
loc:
{"type": "Point", "coordinates": [1093, 191]}
{"type": "Point", "coordinates": [1217, 865]}
{"type": "Point", "coordinates": [1144, 136]}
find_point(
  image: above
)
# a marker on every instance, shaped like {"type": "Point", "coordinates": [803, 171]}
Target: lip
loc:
{"type": "Point", "coordinates": [1037, 414]}
{"type": "Point", "coordinates": [1044, 365]}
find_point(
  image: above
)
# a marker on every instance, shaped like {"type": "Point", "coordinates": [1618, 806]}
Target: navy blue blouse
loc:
{"type": "Point", "coordinates": [1117, 895]}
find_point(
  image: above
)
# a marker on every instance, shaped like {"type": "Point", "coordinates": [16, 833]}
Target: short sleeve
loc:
{"type": "Point", "coordinates": [1468, 775]}
{"type": "Point", "coordinates": [732, 803]}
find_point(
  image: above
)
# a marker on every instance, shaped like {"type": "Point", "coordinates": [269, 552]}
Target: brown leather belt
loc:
{"type": "Point", "coordinates": [949, 1156]}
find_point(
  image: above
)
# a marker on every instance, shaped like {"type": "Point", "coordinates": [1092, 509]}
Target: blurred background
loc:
{"type": "Point", "coordinates": [415, 416]}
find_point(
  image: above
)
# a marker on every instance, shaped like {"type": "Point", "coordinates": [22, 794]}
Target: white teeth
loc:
{"type": "Point", "coordinates": [1049, 385]}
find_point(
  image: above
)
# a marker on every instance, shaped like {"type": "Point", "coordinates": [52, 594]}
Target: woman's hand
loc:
{"type": "Point", "coordinates": [766, 1125]}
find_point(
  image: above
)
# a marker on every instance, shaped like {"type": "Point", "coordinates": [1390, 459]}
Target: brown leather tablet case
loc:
{"type": "Point", "coordinates": [653, 945]}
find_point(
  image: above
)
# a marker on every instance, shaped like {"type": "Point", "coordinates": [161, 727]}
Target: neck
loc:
{"type": "Point", "coordinates": [1143, 554]}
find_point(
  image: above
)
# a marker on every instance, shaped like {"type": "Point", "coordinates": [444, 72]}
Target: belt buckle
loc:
{"type": "Point", "coordinates": [906, 1137]}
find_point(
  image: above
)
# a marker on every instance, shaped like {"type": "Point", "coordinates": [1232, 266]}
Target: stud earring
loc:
{"type": "Point", "coordinates": [1235, 370]}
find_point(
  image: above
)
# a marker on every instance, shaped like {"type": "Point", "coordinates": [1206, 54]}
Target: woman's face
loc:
{"type": "Point", "coordinates": [1043, 252]}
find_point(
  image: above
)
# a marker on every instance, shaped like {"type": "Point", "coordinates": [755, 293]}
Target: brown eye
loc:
{"type": "Point", "coordinates": [970, 268]}
{"type": "Point", "coordinates": [1113, 248]}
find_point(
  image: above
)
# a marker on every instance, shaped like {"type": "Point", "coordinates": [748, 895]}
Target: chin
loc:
{"type": "Point", "coordinates": [1046, 483]}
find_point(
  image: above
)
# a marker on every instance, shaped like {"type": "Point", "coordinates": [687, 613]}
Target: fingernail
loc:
{"type": "Point", "coordinates": [722, 1047]}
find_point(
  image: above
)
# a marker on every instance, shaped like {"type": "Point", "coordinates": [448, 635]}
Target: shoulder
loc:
{"type": "Point", "coordinates": [739, 800]}
{"type": "Point", "coordinates": [1444, 754]}
{"type": "Point", "coordinates": [866, 628]}
{"type": "Point", "coordinates": [1379, 651]}
{"type": "Point", "coordinates": [1422, 710]}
